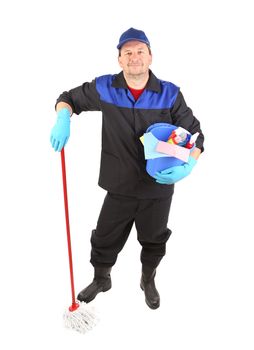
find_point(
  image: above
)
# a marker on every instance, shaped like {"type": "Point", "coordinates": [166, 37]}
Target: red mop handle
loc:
{"type": "Point", "coordinates": [74, 305]}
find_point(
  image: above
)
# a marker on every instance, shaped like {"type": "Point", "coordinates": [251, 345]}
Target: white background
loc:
{"type": "Point", "coordinates": [205, 280]}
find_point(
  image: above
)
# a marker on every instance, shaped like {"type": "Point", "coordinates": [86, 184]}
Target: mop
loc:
{"type": "Point", "coordinates": [78, 317]}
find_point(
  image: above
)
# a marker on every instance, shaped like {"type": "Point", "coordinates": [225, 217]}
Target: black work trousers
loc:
{"type": "Point", "coordinates": [115, 221]}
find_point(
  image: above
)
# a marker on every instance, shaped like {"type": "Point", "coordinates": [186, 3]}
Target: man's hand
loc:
{"type": "Point", "coordinates": [171, 175]}
{"type": "Point", "coordinates": [61, 131]}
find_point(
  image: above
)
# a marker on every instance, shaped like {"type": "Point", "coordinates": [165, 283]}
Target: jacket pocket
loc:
{"type": "Point", "coordinates": [109, 170]}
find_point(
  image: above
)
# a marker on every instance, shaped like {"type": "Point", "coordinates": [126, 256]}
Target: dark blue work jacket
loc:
{"type": "Point", "coordinates": [123, 166]}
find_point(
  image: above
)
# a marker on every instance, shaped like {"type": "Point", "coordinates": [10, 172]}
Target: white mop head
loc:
{"type": "Point", "coordinates": [83, 319]}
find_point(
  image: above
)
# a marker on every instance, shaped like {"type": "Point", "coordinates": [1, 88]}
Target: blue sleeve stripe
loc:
{"type": "Point", "coordinates": [120, 97]}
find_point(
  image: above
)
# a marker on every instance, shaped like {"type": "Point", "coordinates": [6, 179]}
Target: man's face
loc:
{"type": "Point", "coordinates": [135, 58]}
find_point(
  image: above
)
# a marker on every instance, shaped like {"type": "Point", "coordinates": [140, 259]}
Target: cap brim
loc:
{"type": "Point", "coordinates": [131, 39]}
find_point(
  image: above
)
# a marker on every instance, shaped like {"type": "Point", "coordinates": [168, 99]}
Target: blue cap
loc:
{"type": "Point", "coordinates": [133, 34]}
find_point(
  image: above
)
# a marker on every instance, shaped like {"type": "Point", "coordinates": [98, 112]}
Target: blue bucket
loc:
{"type": "Point", "coordinates": [161, 131]}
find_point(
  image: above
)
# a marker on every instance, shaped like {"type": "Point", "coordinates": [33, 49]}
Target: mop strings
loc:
{"type": "Point", "coordinates": [81, 320]}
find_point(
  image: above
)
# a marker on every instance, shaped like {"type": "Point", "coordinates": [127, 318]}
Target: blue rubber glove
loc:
{"type": "Point", "coordinates": [176, 173]}
{"type": "Point", "coordinates": [61, 131]}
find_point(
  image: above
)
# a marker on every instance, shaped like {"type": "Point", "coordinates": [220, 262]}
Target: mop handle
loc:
{"type": "Point", "coordinates": [74, 304]}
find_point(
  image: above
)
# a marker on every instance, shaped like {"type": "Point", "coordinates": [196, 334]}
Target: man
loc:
{"type": "Point", "coordinates": [130, 102]}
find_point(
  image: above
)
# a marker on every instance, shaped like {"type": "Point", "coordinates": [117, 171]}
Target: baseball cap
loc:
{"type": "Point", "coordinates": [133, 34]}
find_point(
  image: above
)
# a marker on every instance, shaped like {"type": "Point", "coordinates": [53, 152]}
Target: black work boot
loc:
{"type": "Point", "coordinates": [101, 283]}
{"type": "Point", "coordinates": [148, 286]}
